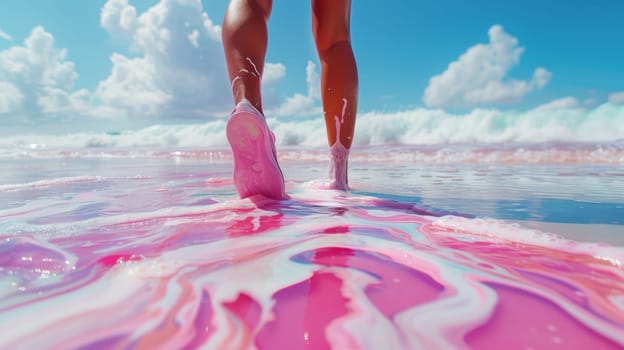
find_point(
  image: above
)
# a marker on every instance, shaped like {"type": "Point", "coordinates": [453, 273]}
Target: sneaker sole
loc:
{"type": "Point", "coordinates": [256, 170]}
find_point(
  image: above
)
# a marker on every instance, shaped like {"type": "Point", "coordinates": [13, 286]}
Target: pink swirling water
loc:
{"type": "Point", "coordinates": [147, 253]}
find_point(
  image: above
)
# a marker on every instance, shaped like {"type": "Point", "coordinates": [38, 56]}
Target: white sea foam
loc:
{"type": "Point", "coordinates": [507, 231]}
{"type": "Point", "coordinates": [420, 127]}
{"type": "Point", "coordinates": [49, 183]}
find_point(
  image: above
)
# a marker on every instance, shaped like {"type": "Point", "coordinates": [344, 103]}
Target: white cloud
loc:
{"type": "Point", "coordinates": [5, 36]}
{"type": "Point", "coordinates": [59, 102]}
{"type": "Point", "coordinates": [36, 80]}
{"type": "Point", "coordinates": [176, 71]}
{"type": "Point", "coordinates": [194, 38]}
{"type": "Point", "coordinates": [478, 76]}
{"type": "Point", "coordinates": [296, 105]}
{"type": "Point", "coordinates": [590, 102]}
{"type": "Point", "coordinates": [562, 103]}
{"type": "Point", "coordinates": [299, 104]}
{"type": "Point", "coordinates": [273, 73]}
{"type": "Point", "coordinates": [617, 98]}
{"type": "Point", "coordinates": [132, 88]}
{"type": "Point", "coordinates": [180, 72]}
{"type": "Point", "coordinates": [118, 17]}
{"type": "Point", "coordinates": [10, 97]}
{"type": "Point", "coordinates": [38, 62]}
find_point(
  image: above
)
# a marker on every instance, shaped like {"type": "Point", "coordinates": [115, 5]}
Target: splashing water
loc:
{"type": "Point", "coordinates": [156, 254]}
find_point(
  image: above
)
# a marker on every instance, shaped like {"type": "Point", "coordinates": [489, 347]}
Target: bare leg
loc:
{"type": "Point", "coordinates": [256, 170]}
{"type": "Point", "coordinates": [339, 80]}
{"type": "Point", "coordinates": [244, 35]}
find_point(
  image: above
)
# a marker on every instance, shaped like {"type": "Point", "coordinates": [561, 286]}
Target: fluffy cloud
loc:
{"type": "Point", "coordinates": [559, 104]}
{"type": "Point", "coordinates": [175, 70]}
{"type": "Point", "coordinates": [5, 36]}
{"type": "Point", "coordinates": [273, 73]}
{"type": "Point", "coordinates": [118, 17]}
{"type": "Point", "coordinates": [617, 98]}
{"type": "Point", "coordinates": [300, 104]}
{"type": "Point", "coordinates": [478, 76]}
{"type": "Point", "coordinates": [271, 77]}
{"type": "Point", "coordinates": [132, 88]}
{"type": "Point", "coordinates": [180, 72]}
{"type": "Point", "coordinates": [37, 80]}
{"type": "Point", "coordinates": [10, 97]}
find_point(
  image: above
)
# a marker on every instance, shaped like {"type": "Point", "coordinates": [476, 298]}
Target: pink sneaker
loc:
{"type": "Point", "coordinates": [256, 170]}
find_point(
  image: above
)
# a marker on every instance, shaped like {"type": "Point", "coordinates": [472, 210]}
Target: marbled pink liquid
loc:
{"type": "Point", "coordinates": [129, 262]}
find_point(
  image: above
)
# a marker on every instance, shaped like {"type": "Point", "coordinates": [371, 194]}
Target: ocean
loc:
{"type": "Point", "coordinates": [138, 240]}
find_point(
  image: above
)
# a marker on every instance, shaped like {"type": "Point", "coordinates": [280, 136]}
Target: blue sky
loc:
{"type": "Point", "coordinates": [87, 65]}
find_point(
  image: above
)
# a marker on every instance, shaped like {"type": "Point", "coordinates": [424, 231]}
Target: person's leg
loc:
{"type": "Point", "coordinates": [339, 80]}
{"type": "Point", "coordinates": [244, 34]}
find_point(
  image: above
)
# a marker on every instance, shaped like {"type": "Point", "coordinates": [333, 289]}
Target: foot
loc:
{"type": "Point", "coordinates": [338, 163]}
{"type": "Point", "coordinates": [256, 170]}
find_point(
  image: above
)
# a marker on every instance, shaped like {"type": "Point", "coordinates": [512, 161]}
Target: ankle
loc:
{"type": "Point", "coordinates": [338, 164]}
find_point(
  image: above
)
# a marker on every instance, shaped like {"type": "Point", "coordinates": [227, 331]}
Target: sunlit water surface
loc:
{"type": "Point", "coordinates": [125, 250]}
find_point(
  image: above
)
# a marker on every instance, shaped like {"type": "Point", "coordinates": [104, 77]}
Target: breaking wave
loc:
{"type": "Point", "coordinates": [580, 134]}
